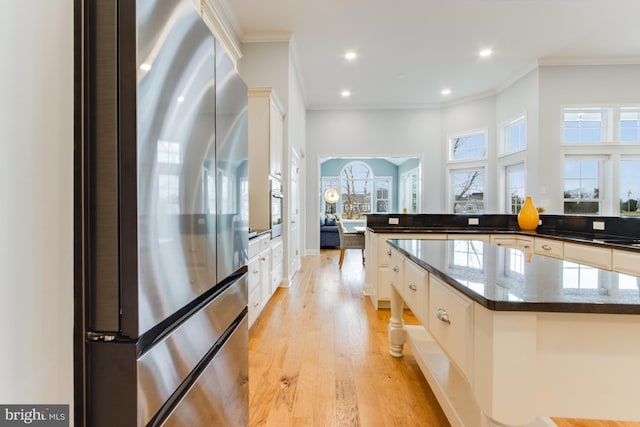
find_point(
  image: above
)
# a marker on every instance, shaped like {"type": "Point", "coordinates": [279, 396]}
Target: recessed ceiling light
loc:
{"type": "Point", "coordinates": [345, 93]}
{"type": "Point", "coordinates": [351, 55]}
{"type": "Point", "coordinates": [485, 52]}
{"type": "Point", "coordinates": [145, 67]}
{"type": "Point", "coordinates": [445, 91]}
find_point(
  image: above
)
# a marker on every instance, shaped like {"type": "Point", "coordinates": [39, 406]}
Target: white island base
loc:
{"type": "Point", "coordinates": [450, 388]}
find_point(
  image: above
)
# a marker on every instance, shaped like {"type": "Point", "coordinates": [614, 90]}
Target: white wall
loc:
{"type": "Point", "coordinates": [519, 98]}
{"type": "Point", "coordinates": [477, 115]}
{"type": "Point", "coordinates": [375, 133]}
{"type": "Point", "coordinates": [599, 85]}
{"type": "Point", "coordinates": [36, 213]}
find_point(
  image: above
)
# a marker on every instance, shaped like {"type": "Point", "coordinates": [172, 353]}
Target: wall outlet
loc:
{"type": "Point", "coordinates": [598, 225]}
{"type": "Point", "coordinates": [539, 222]}
{"type": "Point", "coordinates": [474, 221]}
{"type": "Point", "coordinates": [394, 221]}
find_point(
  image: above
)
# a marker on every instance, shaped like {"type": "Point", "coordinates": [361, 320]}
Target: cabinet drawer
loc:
{"type": "Point", "coordinates": [548, 247]}
{"type": "Point", "coordinates": [384, 249]}
{"type": "Point", "coordinates": [510, 242]}
{"type": "Point", "coordinates": [254, 247]}
{"type": "Point", "coordinates": [626, 262]}
{"type": "Point", "coordinates": [416, 290]}
{"type": "Point", "coordinates": [265, 241]}
{"type": "Point", "coordinates": [451, 324]}
{"type": "Point", "coordinates": [589, 255]}
{"type": "Point", "coordinates": [396, 269]}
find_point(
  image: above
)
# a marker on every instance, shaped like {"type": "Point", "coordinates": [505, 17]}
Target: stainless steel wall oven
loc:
{"type": "Point", "coordinates": [275, 211]}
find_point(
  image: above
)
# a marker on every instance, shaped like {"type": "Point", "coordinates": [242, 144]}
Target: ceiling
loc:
{"type": "Point", "coordinates": [410, 50]}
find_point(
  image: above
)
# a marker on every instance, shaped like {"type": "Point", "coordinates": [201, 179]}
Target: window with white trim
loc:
{"type": "Point", "coordinates": [629, 187]}
{"type": "Point", "coordinates": [468, 190]}
{"type": "Point", "coordinates": [472, 146]}
{"type": "Point", "coordinates": [582, 184]}
{"type": "Point", "coordinates": [629, 124]}
{"type": "Point", "coordinates": [515, 187]}
{"type": "Point", "coordinates": [514, 136]}
{"type": "Point", "coordinates": [584, 125]}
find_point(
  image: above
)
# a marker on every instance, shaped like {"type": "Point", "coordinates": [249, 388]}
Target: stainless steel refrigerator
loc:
{"type": "Point", "coordinates": [162, 220]}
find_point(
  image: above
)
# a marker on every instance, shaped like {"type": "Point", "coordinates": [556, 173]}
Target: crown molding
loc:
{"type": "Point", "coordinates": [214, 15]}
{"type": "Point", "coordinates": [267, 37]}
{"type": "Point", "coordinates": [589, 60]}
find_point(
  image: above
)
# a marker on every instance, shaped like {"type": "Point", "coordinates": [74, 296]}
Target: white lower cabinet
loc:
{"type": "Point", "coordinates": [626, 262]}
{"type": "Point", "coordinates": [451, 324]}
{"type": "Point", "coordinates": [549, 247]}
{"type": "Point", "coordinates": [589, 255]}
{"type": "Point", "coordinates": [260, 278]}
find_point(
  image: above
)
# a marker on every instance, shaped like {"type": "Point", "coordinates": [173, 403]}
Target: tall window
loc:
{"type": "Point", "coordinates": [584, 125]}
{"type": "Point", "coordinates": [468, 147]}
{"type": "Point", "coordinates": [383, 194]}
{"type": "Point", "coordinates": [468, 190]}
{"type": "Point", "coordinates": [629, 179]}
{"type": "Point", "coordinates": [515, 177]}
{"type": "Point", "coordinates": [514, 136]}
{"type": "Point", "coordinates": [630, 124]}
{"type": "Point", "coordinates": [582, 183]}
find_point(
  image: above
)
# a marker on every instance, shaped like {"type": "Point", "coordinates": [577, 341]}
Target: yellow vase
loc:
{"type": "Point", "coordinates": [528, 217]}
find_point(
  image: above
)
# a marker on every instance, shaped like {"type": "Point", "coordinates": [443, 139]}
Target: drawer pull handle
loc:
{"type": "Point", "coordinates": [526, 246]}
{"type": "Point", "coordinates": [395, 268]}
{"type": "Point", "coordinates": [546, 247]}
{"type": "Point", "coordinates": [256, 271]}
{"type": "Point", "coordinates": [412, 286]}
{"type": "Point", "coordinates": [442, 315]}
{"type": "Point", "coordinates": [255, 304]}
{"type": "Point", "coordinates": [389, 252]}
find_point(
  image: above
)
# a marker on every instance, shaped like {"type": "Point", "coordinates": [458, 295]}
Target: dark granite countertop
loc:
{"type": "Point", "coordinates": [506, 279]}
{"type": "Point", "coordinates": [613, 242]}
{"type": "Point", "coordinates": [253, 234]}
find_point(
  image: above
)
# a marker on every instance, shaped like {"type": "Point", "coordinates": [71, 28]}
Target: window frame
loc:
{"type": "Point", "coordinates": [603, 196]}
{"type": "Point", "coordinates": [451, 186]}
{"type": "Point", "coordinates": [471, 133]}
{"type": "Point", "coordinates": [504, 132]}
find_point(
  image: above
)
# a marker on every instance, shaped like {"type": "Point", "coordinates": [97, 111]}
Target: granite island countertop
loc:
{"type": "Point", "coordinates": [506, 279]}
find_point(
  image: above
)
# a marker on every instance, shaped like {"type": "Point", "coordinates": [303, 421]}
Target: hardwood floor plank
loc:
{"type": "Point", "coordinates": [318, 356]}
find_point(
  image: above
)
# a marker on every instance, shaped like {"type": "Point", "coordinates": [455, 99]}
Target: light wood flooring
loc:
{"type": "Point", "coordinates": [318, 356]}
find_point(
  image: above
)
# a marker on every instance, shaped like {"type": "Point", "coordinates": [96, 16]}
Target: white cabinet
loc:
{"type": "Point", "coordinates": [523, 243]}
{"type": "Point", "coordinates": [549, 247]}
{"type": "Point", "coordinates": [378, 255]}
{"type": "Point", "coordinates": [259, 271]}
{"type": "Point", "coordinates": [587, 254]}
{"type": "Point", "coordinates": [265, 152]}
{"type": "Point", "coordinates": [277, 256]}
{"type": "Point", "coordinates": [451, 324]}
{"type": "Point", "coordinates": [626, 262]}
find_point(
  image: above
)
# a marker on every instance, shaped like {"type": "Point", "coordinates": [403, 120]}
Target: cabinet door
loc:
{"type": "Point", "coordinates": [451, 324]}
{"type": "Point", "coordinates": [416, 290]}
{"type": "Point", "coordinates": [589, 255]}
{"type": "Point", "coordinates": [626, 262]}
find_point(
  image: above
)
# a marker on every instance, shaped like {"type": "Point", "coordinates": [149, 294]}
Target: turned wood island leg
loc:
{"type": "Point", "coordinates": [397, 331]}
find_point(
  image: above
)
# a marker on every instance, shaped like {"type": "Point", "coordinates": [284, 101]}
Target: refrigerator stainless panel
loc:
{"type": "Point", "coordinates": [232, 166]}
{"type": "Point", "coordinates": [176, 159]}
{"type": "Point", "coordinates": [167, 364]}
{"type": "Point", "coordinates": [220, 397]}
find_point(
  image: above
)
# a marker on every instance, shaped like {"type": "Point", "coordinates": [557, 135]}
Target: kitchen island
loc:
{"type": "Point", "coordinates": [509, 337]}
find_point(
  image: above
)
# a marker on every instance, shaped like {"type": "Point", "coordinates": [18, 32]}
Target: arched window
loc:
{"type": "Point", "coordinates": [361, 192]}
